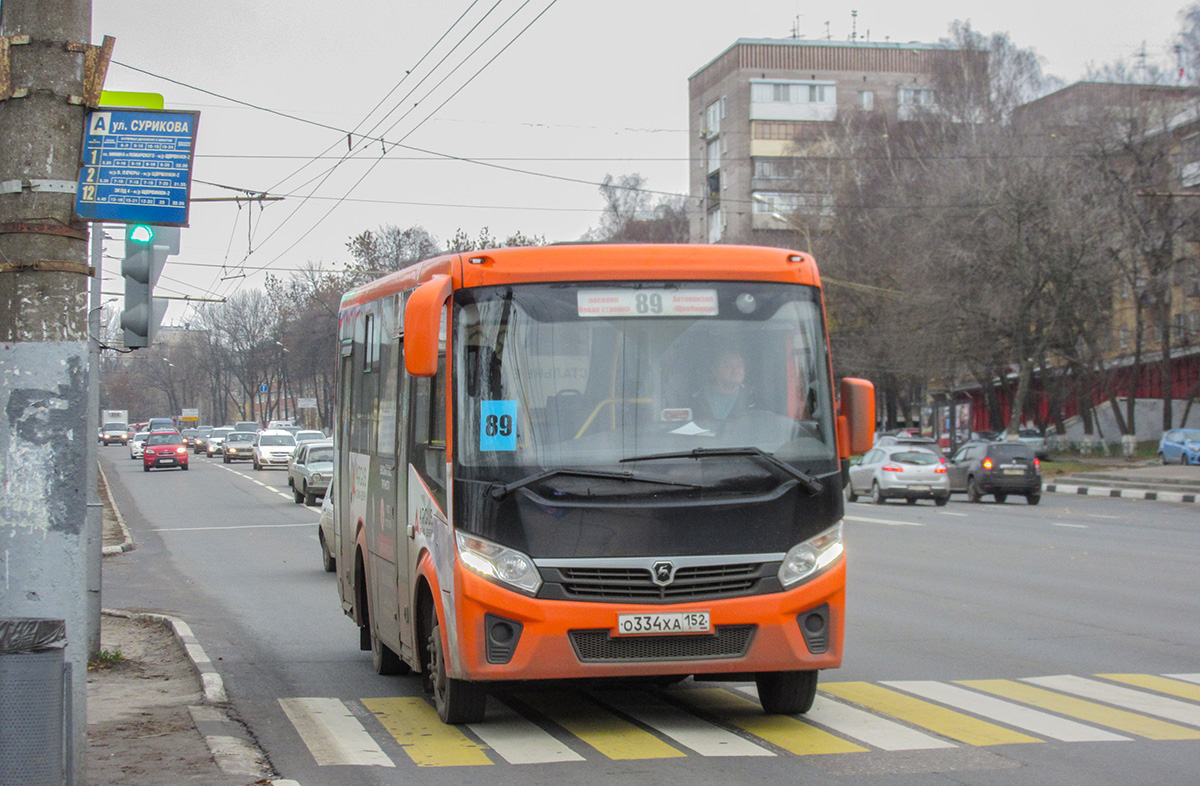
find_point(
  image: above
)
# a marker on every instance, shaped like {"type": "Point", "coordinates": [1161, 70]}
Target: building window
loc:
{"type": "Point", "coordinates": [1123, 337]}
{"type": "Point", "coordinates": [712, 117]}
{"type": "Point", "coordinates": [774, 168]}
{"type": "Point", "coordinates": [915, 96]}
{"type": "Point", "coordinates": [715, 225]}
{"type": "Point", "coordinates": [866, 100]}
{"type": "Point", "coordinates": [714, 155]}
{"type": "Point", "coordinates": [793, 92]}
{"type": "Point", "coordinates": [787, 203]}
{"type": "Point", "coordinates": [1189, 161]}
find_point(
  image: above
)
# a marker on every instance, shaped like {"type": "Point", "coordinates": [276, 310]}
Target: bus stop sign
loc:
{"type": "Point", "coordinates": [137, 166]}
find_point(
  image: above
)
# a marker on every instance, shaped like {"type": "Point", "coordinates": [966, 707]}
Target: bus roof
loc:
{"type": "Point", "coordinates": [599, 262]}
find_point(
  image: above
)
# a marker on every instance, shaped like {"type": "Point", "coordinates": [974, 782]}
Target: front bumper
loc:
{"type": "Point", "coordinates": [576, 640]}
{"type": "Point", "coordinates": [165, 461]}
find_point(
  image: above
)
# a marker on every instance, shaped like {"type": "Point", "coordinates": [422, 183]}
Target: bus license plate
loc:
{"type": "Point", "coordinates": [665, 623]}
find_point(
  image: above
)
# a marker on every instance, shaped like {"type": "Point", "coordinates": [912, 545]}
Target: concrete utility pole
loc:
{"type": "Point", "coordinates": [44, 281]}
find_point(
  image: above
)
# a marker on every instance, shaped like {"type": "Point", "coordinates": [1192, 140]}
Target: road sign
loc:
{"type": "Point", "coordinates": [137, 166]}
{"type": "Point", "coordinates": [263, 388]}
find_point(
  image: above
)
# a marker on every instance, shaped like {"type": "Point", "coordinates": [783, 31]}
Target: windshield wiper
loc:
{"type": "Point", "coordinates": [810, 483]}
{"type": "Point", "coordinates": [499, 491]}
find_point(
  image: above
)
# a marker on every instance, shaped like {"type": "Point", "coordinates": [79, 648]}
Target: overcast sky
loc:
{"type": "Point", "coordinates": [588, 89]}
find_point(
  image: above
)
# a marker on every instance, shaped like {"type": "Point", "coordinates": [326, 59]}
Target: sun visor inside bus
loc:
{"type": "Point", "coordinates": [422, 323]}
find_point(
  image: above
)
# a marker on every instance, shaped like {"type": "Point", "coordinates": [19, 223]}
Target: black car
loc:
{"type": "Point", "coordinates": [996, 468]}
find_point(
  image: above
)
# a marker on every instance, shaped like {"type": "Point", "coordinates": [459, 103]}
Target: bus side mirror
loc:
{"type": "Point", "coordinates": [856, 419]}
{"type": "Point", "coordinates": [422, 326]}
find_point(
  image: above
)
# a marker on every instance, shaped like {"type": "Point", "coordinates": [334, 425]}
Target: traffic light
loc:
{"type": "Point", "coordinates": [146, 250]}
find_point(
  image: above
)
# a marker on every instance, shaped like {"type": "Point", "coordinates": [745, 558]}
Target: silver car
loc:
{"type": "Point", "coordinates": [310, 471]}
{"type": "Point", "coordinates": [903, 472]}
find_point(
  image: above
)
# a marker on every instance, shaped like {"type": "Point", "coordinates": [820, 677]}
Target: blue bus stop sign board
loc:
{"type": "Point", "coordinates": [137, 166]}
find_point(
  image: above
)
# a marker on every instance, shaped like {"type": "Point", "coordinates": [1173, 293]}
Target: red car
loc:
{"type": "Point", "coordinates": [164, 449]}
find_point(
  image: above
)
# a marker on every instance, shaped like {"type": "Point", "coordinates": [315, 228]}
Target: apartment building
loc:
{"type": "Point", "coordinates": [765, 116]}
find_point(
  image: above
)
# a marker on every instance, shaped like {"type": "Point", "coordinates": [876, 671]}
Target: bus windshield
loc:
{"type": "Point", "coordinates": [553, 375]}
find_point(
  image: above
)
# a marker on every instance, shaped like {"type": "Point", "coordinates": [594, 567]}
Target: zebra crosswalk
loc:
{"type": "Point", "coordinates": [698, 720]}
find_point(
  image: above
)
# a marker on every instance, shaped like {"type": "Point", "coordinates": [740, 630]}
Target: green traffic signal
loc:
{"type": "Point", "coordinates": [140, 233]}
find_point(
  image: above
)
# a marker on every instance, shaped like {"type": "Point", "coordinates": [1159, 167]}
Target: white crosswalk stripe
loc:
{"type": "Point", "coordinates": [867, 727]}
{"type": "Point", "coordinates": [688, 730]}
{"type": "Point", "coordinates": [332, 733]}
{"type": "Point", "coordinates": [519, 740]}
{"type": "Point", "coordinates": [1033, 721]}
{"type": "Point", "coordinates": [1136, 700]}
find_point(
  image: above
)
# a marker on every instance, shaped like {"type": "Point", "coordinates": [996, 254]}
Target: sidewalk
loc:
{"type": "Point", "coordinates": [157, 711]}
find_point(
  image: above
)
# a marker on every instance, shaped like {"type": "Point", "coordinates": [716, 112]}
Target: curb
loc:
{"type": "Point", "coordinates": [1105, 491]}
{"type": "Point", "coordinates": [127, 543]}
{"type": "Point", "coordinates": [227, 740]}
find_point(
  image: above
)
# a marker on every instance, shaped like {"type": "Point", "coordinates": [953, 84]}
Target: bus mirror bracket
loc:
{"type": "Point", "coordinates": [422, 325]}
{"type": "Point", "coordinates": [856, 419]}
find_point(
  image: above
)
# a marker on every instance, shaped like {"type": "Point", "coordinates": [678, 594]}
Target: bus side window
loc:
{"type": "Point", "coordinates": [427, 430]}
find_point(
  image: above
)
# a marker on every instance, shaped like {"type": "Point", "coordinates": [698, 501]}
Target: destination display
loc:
{"type": "Point", "coordinates": [647, 303]}
{"type": "Point", "coordinates": [137, 166]}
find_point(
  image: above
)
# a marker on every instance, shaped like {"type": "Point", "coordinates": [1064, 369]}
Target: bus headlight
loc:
{"type": "Point", "coordinates": [807, 559]}
{"type": "Point", "coordinates": [498, 563]}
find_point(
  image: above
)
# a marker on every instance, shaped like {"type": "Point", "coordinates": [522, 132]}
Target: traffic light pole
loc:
{"type": "Point", "coordinates": [43, 341]}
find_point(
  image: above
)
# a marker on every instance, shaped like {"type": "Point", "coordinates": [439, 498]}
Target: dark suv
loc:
{"type": "Point", "coordinates": [996, 468]}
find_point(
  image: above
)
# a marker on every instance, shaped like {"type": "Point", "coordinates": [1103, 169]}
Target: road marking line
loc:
{"type": "Point", "coordinates": [605, 731]}
{"type": "Point", "coordinates": [518, 739]}
{"type": "Point", "coordinates": [1138, 701]}
{"type": "Point", "coordinates": [882, 733]}
{"type": "Point", "coordinates": [1031, 720]}
{"type": "Point", "coordinates": [333, 735]}
{"type": "Point", "coordinates": [940, 720]}
{"type": "Point", "coordinates": [1121, 720]}
{"type": "Point", "coordinates": [792, 734]}
{"type": "Point", "coordinates": [234, 526]}
{"type": "Point", "coordinates": [1189, 677]}
{"type": "Point", "coordinates": [685, 728]}
{"type": "Point", "coordinates": [1184, 690]}
{"type": "Point", "coordinates": [414, 724]}
{"type": "Point", "coordinates": [1072, 526]}
{"type": "Point", "coordinates": [947, 513]}
{"type": "Point", "coordinates": [884, 521]}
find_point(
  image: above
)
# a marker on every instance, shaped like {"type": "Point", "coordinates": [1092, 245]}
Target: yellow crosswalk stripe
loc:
{"type": "Point", "coordinates": [1090, 711]}
{"type": "Point", "coordinates": [428, 742]}
{"type": "Point", "coordinates": [918, 712]}
{"type": "Point", "coordinates": [605, 731]}
{"type": "Point", "coordinates": [786, 732]}
{"type": "Point", "coordinates": [1184, 690]}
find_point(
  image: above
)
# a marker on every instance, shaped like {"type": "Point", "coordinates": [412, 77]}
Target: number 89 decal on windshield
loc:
{"type": "Point", "coordinates": [498, 422]}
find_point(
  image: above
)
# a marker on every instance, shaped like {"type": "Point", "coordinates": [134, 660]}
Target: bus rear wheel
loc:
{"type": "Point", "coordinates": [786, 692]}
{"type": "Point", "coordinates": [457, 701]}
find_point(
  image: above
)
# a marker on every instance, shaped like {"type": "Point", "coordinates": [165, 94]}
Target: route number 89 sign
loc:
{"type": "Point", "coordinates": [498, 425]}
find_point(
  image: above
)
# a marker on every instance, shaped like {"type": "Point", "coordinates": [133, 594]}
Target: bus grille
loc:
{"type": "Point", "coordinates": [634, 584]}
{"type": "Point", "coordinates": [594, 646]}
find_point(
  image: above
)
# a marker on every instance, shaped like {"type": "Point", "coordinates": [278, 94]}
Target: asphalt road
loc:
{"type": "Point", "coordinates": [948, 608]}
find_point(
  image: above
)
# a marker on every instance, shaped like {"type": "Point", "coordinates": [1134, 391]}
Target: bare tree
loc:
{"type": "Point", "coordinates": [632, 214]}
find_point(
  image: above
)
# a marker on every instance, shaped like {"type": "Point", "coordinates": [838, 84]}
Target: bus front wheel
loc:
{"type": "Point", "coordinates": [457, 701]}
{"type": "Point", "coordinates": [786, 692]}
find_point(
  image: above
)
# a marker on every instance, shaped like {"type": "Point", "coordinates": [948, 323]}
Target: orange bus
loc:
{"type": "Point", "coordinates": [595, 461]}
